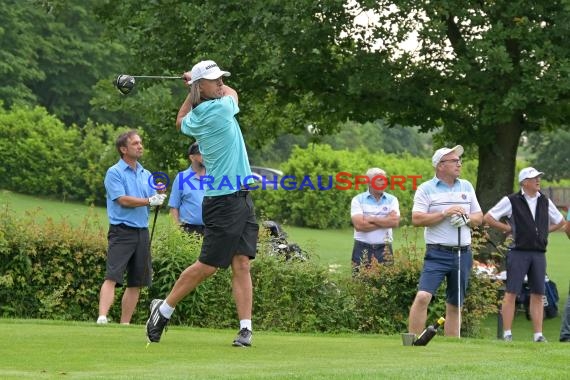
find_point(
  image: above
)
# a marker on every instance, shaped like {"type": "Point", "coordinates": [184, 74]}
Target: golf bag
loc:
{"type": "Point", "coordinates": [279, 244]}
{"type": "Point", "coordinates": [550, 299]}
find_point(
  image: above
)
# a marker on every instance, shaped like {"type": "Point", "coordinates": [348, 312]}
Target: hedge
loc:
{"type": "Point", "coordinates": [55, 271]}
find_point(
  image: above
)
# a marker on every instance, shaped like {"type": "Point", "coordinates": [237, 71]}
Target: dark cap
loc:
{"type": "Point", "coordinates": [194, 149]}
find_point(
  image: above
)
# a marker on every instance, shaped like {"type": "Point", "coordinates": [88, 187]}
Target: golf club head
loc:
{"type": "Point", "coordinates": [125, 83]}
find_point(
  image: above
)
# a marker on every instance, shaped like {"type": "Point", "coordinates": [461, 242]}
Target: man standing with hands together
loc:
{"type": "Point", "coordinates": [442, 205]}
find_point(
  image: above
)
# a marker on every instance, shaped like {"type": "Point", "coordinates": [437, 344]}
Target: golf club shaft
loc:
{"type": "Point", "coordinates": [153, 224]}
{"type": "Point", "coordinates": [459, 282]}
{"type": "Point", "coordinates": [155, 77]}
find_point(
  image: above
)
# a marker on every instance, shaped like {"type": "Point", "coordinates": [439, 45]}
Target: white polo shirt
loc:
{"type": "Point", "coordinates": [505, 209]}
{"type": "Point", "coordinates": [367, 205]}
{"type": "Point", "coordinates": [436, 196]}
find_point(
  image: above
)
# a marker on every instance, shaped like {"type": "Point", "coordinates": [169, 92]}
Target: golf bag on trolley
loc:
{"type": "Point", "coordinates": [550, 299]}
{"type": "Point", "coordinates": [279, 244]}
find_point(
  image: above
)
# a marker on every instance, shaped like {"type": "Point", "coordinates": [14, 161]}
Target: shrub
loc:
{"type": "Point", "coordinates": [52, 270]}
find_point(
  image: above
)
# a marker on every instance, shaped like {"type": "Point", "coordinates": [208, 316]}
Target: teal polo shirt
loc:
{"type": "Point", "coordinates": [213, 124]}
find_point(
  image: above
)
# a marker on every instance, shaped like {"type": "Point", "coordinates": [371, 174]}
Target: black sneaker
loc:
{"type": "Point", "coordinates": [243, 338]}
{"type": "Point", "coordinates": [156, 322]}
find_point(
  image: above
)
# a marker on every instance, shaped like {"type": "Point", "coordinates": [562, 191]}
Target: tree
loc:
{"type": "Point", "coordinates": [550, 154]}
{"type": "Point", "coordinates": [52, 55]}
{"type": "Point", "coordinates": [484, 71]}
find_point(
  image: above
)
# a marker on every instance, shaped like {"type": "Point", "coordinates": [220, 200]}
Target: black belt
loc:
{"type": "Point", "coordinates": [239, 193]}
{"type": "Point", "coordinates": [447, 248]}
{"type": "Point", "coordinates": [370, 246]}
{"type": "Point", "coordinates": [123, 225]}
{"type": "Point", "coordinates": [193, 227]}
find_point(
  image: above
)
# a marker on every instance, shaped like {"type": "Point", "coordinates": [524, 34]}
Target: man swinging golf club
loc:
{"type": "Point", "coordinates": [230, 234]}
{"type": "Point", "coordinates": [446, 206]}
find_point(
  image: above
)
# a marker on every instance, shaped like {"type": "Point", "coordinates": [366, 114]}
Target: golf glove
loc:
{"type": "Point", "coordinates": [156, 199]}
{"type": "Point", "coordinates": [459, 220]}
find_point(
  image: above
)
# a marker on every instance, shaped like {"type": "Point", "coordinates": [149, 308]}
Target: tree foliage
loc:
{"type": "Point", "coordinates": [280, 54]}
{"type": "Point", "coordinates": [373, 136]}
{"type": "Point", "coordinates": [484, 71]}
{"type": "Point", "coordinates": [52, 55]}
{"type": "Point", "coordinates": [550, 153]}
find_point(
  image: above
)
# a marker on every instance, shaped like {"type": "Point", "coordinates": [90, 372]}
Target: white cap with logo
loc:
{"type": "Point", "coordinates": [436, 158]}
{"type": "Point", "coordinates": [206, 70]}
{"type": "Point", "coordinates": [527, 173]}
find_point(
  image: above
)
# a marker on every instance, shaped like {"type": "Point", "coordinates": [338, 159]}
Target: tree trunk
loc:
{"type": "Point", "coordinates": [496, 171]}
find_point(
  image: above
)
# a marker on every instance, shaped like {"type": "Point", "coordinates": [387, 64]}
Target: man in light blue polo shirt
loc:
{"type": "Point", "coordinates": [447, 207]}
{"type": "Point", "coordinates": [187, 194]}
{"type": "Point", "coordinates": [374, 213]}
{"type": "Point", "coordinates": [130, 192]}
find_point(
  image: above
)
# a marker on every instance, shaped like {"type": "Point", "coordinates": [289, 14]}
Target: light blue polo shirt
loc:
{"type": "Point", "coordinates": [213, 124]}
{"type": "Point", "coordinates": [187, 197]}
{"type": "Point", "coordinates": [436, 196]}
{"type": "Point", "coordinates": [122, 180]}
{"type": "Point", "coordinates": [366, 204]}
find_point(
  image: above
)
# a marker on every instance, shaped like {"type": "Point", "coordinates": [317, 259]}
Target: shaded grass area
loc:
{"type": "Point", "coordinates": [47, 350]}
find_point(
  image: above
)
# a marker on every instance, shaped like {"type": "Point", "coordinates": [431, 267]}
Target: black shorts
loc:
{"type": "Point", "coordinates": [128, 251]}
{"type": "Point", "coordinates": [529, 263]}
{"type": "Point", "coordinates": [231, 228]}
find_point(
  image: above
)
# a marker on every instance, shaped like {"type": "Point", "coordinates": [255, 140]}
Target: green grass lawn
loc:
{"type": "Point", "coordinates": [34, 349]}
{"type": "Point", "coordinates": [332, 247]}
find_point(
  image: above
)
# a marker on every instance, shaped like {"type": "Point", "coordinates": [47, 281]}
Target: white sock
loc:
{"type": "Point", "coordinates": [166, 310]}
{"type": "Point", "coordinates": [537, 335]}
{"type": "Point", "coordinates": [245, 324]}
{"type": "Point", "coordinates": [507, 332]}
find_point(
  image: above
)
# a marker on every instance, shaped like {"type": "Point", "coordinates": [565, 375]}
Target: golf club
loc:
{"type": "Point", "coordinates": [153, 224]}
{"type": "Point", "coordinates": [459, 281]}
{"type": "Point", "coordinates": [465, 223]}
{"type": "Point", "coordinates": [125, 83]}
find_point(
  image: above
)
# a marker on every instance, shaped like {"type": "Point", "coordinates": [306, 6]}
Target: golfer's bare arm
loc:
{"type": "Point", "coordinates": [557, 226]}
{"type": "Point", "coordinates": [129, 201]}
{"type": "Point", "coordinates": [498, 225]}
{"type": "Point", "coordinates": [361, 224]}
{"type": "Point", "coordinates": [428, 219]}
{"type": "Point", "coordinates": [183, 111]}
{"type": "Point", "coordinates": [175, 215]}
{"type": "Point", "coordinates": [187, 105]}
{"type": "Point", "coordinates": [228, 91]}
{"type": "Point", "coordinates": [475, 219]}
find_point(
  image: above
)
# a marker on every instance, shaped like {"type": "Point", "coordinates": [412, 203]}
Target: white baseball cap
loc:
{"type": "Point", "coordinates": [206, 70]}
{"type": "Point", "coordinates": [528, 173]}
{"type": "Point", "coordinates": [458, 149]}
